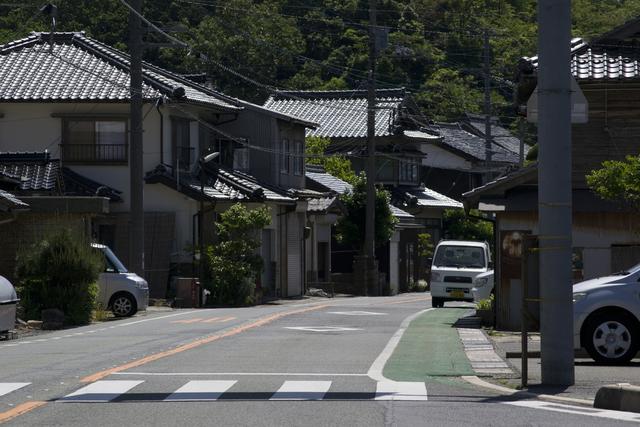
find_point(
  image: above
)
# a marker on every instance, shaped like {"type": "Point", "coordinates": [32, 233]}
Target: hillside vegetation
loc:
{"type": "Point", "coordinates": [435, 47]}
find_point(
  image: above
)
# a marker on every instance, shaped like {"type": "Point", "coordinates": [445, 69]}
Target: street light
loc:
{"type": "Point", "coordinates": [201, 162]}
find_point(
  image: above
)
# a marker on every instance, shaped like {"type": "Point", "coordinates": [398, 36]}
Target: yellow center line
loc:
{"type": "Point", "coordinates": [408, 301]}
{"type": "Point", "coordinates": [197, 319]}
{"type": "Point", "coordinates": [21, 409]}
{"type": "Point", "coordinates": [197, 343]}
{"type": "Point", "coordinates": [212, 320]}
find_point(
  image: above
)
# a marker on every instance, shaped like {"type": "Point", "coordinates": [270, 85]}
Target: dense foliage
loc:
{"type": "Point", "coordinates": [618, 181]}
{"type": "Point", "coordinates": [434, 48]}
{"type": "Point", "coordinates": [336, 165]}
{"type": "Point", "coordinates": [459, 226]}
{"type": "Point", "coordinates": [59, 272]}
{"type": "Point", "coordinates": [233, 264]}
{"type": "Point", "coordinates": [350, 227]}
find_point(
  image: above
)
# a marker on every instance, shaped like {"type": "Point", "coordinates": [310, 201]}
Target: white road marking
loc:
{"type": "Point", "coordinates": [97, 330]}
{"type": "Point", "coordinates": [577, 410]}
{"type": "Point", "coordinates": [302, 390]}
{"type": "Point", "coordinates": [238, 374]}
{"type": "Point", "coordinates": [394, 390]}
{"type": "Point", "coordinates": [358, 313]}
{"type": "Point", "coordinates": [375, 371]}
{"type": "Point", "coordinates": [100, 391]}
{"type": "Point", "coordinates": [200, 391]}
{"type": "Point", "coordinates": [322, 328]}
{"type": "Point", "coordinates": [6, 388]}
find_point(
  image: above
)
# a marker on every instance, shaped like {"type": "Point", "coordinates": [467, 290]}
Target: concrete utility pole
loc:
{"type": "Point", "coordinates": [487, 97]}
{"type": "Point", "coordinates": [136, 228]}
{"type": "Point", "coordinates": [554, 194]}
{"type": "Point", "coordinates": [369, 239]}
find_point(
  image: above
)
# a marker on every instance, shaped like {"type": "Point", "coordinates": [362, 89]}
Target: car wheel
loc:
{"type": "Point", "coordinates": [123, 305]}
{"type": "Point", "coordinates": [611, 338]}
{"type": "Point", "coordinates": [436, 302]}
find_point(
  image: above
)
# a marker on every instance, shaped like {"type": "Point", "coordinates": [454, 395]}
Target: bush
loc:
{"type": "Point", "coordinates": [418, 286]}
{"type": "Point", "coordinates": [59, 272]}
{"type": "Point", "coordinates": [485, 304]}
{"type": "Point", "coordinates": [233, 264]}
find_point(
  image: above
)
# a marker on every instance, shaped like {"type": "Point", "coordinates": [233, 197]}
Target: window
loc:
{"type": "Point", "coordinates": [234, 154]}
{"type": "Point", "coordinates": [298, 162]}
{"type": "Point", "coordinates": [92, 140]}
{"type": "Point", "coordinates": [183, 153]}
{"type": "Point", "coordinates": [409, 171]}
{"type": "Point", "coordinates": [285, 156]}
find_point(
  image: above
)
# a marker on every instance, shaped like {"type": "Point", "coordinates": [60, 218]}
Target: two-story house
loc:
{"type": "Point", "coordinates": [68, 94]}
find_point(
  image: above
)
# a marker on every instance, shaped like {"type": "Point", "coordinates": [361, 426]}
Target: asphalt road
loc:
{"type": "Point", "coordinates": [316, 363]}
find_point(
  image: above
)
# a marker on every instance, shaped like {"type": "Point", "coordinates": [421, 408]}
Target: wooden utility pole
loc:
{"type": "Point", "coordinates": [369, 240]}
{"type": "Point", "coordinates": [136, 178]}
{"type": "Point", "coordinates": [487, 98]}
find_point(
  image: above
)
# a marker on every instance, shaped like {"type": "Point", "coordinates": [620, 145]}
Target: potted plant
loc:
{"type": "Point", "coordinates": [484, 310]}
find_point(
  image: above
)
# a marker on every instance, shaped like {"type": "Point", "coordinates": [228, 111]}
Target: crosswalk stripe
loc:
{"type": "Point", "coordinates": [401, 390]}
{"type": "Point", "coordinates": [6, 388]}
{"type": "Point", "coordinates": [302, 390]}
{"type": "Point", "coordinates": [200, 391]}
{"type": "Point", "coordinates": [100, 391]}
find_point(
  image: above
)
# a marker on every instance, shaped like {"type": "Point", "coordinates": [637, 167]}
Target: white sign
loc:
{"type": "Point", "coordinates": [579, 105]}
{"type": "Point", "coordinates": [322, 328]}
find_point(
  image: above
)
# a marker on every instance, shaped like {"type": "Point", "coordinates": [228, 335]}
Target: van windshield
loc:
{"type": "Point", "coordinates": [112, 261]}
{"type": "Point", "coordinates": [459, 257]}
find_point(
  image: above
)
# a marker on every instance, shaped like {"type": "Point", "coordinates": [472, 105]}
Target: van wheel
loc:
{"type": "Point", "coordinates": [437, 302]}
{"type": "Point", "coordinates": [123, 305]}
{"type": "Point", "coordinates": [610, 338]}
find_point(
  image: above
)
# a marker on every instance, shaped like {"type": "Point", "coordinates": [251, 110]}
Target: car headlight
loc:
{"type": "Point", "coordinates": [435, 277]}
{"type": "Point", "coordinates": [481, 282]}
{"type": "Point", "coordinates": [577, 296]}
{"type": "Point", "coordinates": [142, 284]}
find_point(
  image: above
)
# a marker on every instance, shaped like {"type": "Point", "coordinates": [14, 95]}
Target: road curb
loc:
{"type": "Point", "coordinates": [618, 397]}
{"type": "Point", "coordinates": [505, 391]}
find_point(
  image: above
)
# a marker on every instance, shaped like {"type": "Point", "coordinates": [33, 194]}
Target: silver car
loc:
{"type": "Point", "coordinates": [122, 292]}
{"type": "Point", "coordinates": [606, 316]}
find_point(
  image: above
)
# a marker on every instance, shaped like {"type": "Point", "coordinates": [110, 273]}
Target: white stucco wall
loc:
{"type": "Point", "coordinates": [596, 244]}
{"type": "Point", "coordinates": [437, 157]}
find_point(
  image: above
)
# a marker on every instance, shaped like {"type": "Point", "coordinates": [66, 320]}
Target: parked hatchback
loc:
{"type": "Point", "coordinates": [122, 292]}
{"type": "Point", "coordinates": [606, 316]}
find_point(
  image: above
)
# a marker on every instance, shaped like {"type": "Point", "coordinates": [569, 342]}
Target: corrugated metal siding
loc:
{"type": "Point", "coordinates": [294, 256]}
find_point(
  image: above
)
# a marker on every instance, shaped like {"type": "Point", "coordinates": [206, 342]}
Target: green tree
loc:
{"type": "Point", "coordinates": [618, 180]}
{"type": "Point", "coordinates": [350, 227]}
{"type": "Point", "coordinates": [336, 165]}
{"type": "Point", "coordinates": [59, 272]}
{"type": "Point", "coordinates": [457, 225]}
{"type": "Point", "coordinates": [233, 264]}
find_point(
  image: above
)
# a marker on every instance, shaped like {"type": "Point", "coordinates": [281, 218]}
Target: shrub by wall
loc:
{"type": "Point", "coordinates": [60, 272]}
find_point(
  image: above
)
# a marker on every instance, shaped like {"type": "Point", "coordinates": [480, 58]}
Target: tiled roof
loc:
{"type": "Point", "coordinates": [321, 204]}
{"type": "Point", "coordinates": [426, 197]}
{"type": "Point", "coordinates": [31, 173]}
{"type": "Point", "coordinates": [595, 63]}
{"type": "Point", "coordinates": [327, 181]}
{"type": "Point", "coordinates": [455, 137]}
{"type": "Point", "coordinates": [499, 134]}
{"type": "Point", "coordinates": [340, 114]}
{"type": "Point", "coordinates": [79, 68]}
{"type": "Point", "coordinates": [399, 213]}
{"type": "Point", "coordinates": [221, 185]}
{"type": "Point", "coordinates": [9, 202]}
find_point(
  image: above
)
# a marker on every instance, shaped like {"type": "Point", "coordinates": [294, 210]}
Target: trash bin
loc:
{"type": "Point", "coordinates": [8, 302]}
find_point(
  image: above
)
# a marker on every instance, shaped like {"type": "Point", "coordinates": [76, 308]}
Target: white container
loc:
{"type": "Point", "coordinates": [8, 302]}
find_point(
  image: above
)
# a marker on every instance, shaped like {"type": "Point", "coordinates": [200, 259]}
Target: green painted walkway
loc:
{"type": "Point", "coordinates": [430, 347]}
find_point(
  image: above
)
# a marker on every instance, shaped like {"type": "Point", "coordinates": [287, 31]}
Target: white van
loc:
{"type": "Point", "coordinates": [122, 292]}
{"type": "Point", "coordinates": [455, 265]}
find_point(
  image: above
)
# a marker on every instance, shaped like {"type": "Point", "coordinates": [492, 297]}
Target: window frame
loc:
{"type": "Point", "coordinates": [298, 163]}
{"type": "Point", "coordinates": [95, 159]}
{"type": "Point", "coordinates": [285, 156]}
{"type": "Point", "coordinates": [174, 143]}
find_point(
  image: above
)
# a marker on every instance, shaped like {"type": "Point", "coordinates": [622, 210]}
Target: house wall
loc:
{"type": "Point", "coordinates": [613, 130]}
{"type": "Point", "coordinates": [437, 157]}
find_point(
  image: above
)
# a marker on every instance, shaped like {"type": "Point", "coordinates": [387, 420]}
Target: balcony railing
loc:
{"type": "Point", "coordinates": [94, 153]}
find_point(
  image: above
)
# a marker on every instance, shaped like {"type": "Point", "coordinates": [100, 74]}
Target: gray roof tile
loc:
{"type": "Point", "coordinates": [79, 68]}
{"type": "Point", "coordinates": [340, 114]}
{"type": "Point", "coordinates": [454, 136]}
{"type": "Point", "coordinates": [327, 181]}
{"type": "Point", "coordinates": [11, 202]}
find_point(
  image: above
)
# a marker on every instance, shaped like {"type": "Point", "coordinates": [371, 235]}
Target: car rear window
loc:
{"type": "Point", "coordinates": [459, 257]}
